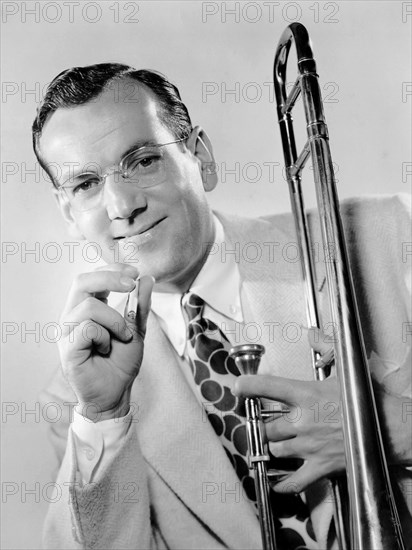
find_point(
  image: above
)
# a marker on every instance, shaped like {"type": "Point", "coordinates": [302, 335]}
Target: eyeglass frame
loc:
{"type": "Point", "coordinates": [119, 170]}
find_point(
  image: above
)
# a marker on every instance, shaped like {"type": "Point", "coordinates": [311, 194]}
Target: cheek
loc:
{"type": "Point", "coordinates": [195, 213]}
{"type": "Point", "coordinates": [94, 227]}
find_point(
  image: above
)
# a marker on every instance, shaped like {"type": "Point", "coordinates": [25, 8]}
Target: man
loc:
{"type": "Point", "coordinates": [147, 460]}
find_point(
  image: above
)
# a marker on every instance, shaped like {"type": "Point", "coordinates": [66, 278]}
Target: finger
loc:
{"type": "Point", "coordinates": [84, 337]}
{"type": "Point", "coordinates": [94, 310]}
{"type": "Point", "coordinates": [144, 301]}
{"type": "Point", "coordinates": [126, 269]}
{"type": "Point", "coordinates": [300, 480]}
{"type": "Point", "coordinates": [98, 284]}
{"type": "Point", "coordinates": [279, 430]}
{"type": "Point", "coordinates": [273, 387]}
{"type": "Point", "coordinates": [285, 448]}
{"type": "Point", "coordinates": [120, 267]}
{"type": "Point", "coordinates": [318, 340]}
{"type": "Point", "coordinates": [273, 416]}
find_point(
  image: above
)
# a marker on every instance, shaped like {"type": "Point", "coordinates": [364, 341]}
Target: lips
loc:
{"type": "Point", "coordinates": [140, 231]}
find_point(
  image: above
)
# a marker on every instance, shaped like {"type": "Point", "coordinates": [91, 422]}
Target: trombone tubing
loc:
{"type": "Point", "coordinates": [374, 520]}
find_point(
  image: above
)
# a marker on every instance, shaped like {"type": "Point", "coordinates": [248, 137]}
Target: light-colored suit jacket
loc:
{"type": "Point", "coordinates": [171, 484]}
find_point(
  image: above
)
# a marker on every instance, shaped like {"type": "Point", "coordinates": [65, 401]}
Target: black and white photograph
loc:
{"type": "Point", "coordinates": [206, 275]}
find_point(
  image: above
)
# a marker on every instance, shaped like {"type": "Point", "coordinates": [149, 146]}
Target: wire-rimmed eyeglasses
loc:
{"type": "Point", "coordinates": [143, 167]}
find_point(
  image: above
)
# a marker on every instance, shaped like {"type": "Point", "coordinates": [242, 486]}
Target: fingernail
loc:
{"type": "Point", "coordinates": [127, 282]}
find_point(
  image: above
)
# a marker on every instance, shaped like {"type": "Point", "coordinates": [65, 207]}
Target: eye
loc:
{"type": "Point", "coordinates": [143, 164]}
{"type": "Point", "coordinates": [87, 185]}
{"type": "Point", "coordinates": [146, 162]}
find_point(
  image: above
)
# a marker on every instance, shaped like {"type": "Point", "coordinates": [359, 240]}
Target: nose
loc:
{"type": "Point", "coordinates": [122, 199]}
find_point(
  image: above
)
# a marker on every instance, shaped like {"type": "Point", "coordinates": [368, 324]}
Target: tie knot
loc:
{"type": "Point", "coordinates": [193, 306]}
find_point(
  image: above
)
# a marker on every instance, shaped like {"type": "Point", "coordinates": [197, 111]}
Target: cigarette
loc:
{"type": "Point", "coordinates": [130, 310]}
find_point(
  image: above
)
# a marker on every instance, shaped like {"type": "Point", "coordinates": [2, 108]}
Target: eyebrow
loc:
{"type": "Point", "coordinates": [136, 145]}
{"type": "Point", "coordinates": [139, 144]}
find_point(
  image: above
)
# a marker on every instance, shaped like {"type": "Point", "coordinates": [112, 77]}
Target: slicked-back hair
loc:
{"type": "Point", "coordinates": [79, 85]}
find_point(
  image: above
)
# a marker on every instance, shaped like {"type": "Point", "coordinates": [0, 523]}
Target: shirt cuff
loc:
{"type": "Point", "coordinates": [97, 442]}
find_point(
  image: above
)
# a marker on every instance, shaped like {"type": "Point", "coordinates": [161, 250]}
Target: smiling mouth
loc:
{"type": "Point", "coordinates": [143, 232]}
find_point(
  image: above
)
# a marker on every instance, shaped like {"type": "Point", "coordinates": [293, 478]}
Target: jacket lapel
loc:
{"type": "Point", "coordinates": [181, 446]}
{"type": "Point", "coordinates": [272, 295]}
{"type": "Point", "coordinates": [281, 328]}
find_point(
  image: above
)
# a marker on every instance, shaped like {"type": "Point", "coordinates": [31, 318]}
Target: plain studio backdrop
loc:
{"type": "Point", "coordinates": [220, 55]}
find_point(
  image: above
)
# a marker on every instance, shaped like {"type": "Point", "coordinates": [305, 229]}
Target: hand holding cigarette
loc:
{"type": "Point", "coordinates": [101, 350]}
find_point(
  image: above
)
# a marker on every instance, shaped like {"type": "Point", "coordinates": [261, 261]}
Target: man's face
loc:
{"type": "Point", "coordinates": [162, 230]}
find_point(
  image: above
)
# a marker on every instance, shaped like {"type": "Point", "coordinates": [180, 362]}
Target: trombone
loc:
{"type": "Point", "coordinates": [373, 518]}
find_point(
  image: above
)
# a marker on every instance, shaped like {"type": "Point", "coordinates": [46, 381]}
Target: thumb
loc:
{"type": "Point", "coordinates": [322, 345]}
{"type": "Point", "coordinates": [299, 480]}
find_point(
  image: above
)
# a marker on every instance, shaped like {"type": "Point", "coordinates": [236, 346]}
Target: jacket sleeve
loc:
{"type": "Point", "coordinates": [111, 512]}
{"type": "Point", "coordinates": [378, 233]}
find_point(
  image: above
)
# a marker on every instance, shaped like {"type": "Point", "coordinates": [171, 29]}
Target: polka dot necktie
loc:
{"type": "Point", "coordinates": [214, 372]}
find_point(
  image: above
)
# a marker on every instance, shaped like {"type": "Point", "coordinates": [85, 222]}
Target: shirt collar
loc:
{"type": "Point", "coordinates": [218, 282]}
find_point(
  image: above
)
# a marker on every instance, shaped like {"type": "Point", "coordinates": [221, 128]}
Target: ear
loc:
{"type": "Point", "coordinates": [66, 211]}
{"type": "Point", "coordinates": [201, 147]}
